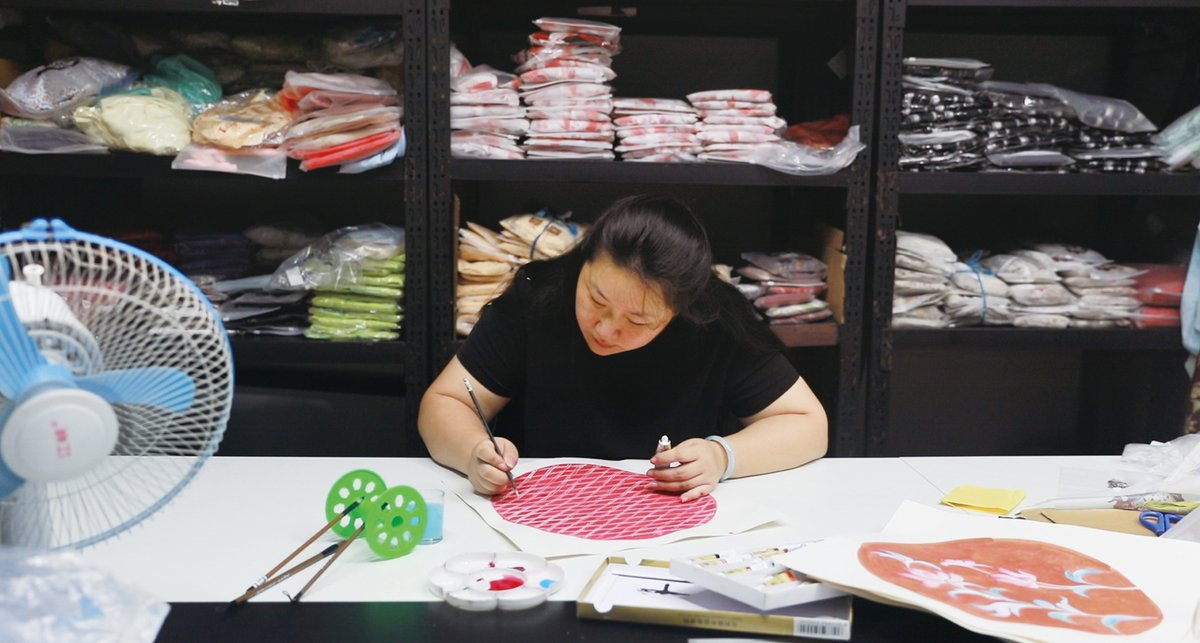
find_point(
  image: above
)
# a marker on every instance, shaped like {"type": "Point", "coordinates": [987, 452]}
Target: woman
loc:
{"type": "Point", "coordinates": [627, 337]}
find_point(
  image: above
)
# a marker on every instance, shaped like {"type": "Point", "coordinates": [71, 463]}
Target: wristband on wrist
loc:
{"type": "Point", "coordinates": [729, 457]}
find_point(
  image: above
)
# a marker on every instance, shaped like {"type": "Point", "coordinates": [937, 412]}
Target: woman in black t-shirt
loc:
{"type": "Point", "coordinates": [627, 337]}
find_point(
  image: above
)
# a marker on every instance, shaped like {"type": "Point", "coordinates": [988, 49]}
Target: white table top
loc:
{"type": "Point", "coordinates": [1037, 476]}
{"type": "Point", "coordinates": [241, 516]}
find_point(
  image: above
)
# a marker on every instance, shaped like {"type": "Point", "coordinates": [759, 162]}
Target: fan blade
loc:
{"type": "Point", "coordinates": [9, 481]}
{"type": "Point", "coordinates": [19, 356]}
{"type": "Point", "coordinates": [160, 386]}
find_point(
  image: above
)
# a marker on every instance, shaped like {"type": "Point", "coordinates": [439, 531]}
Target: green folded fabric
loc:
{"type": "Point", "coordinates": [329, 313]}
{"type": "Point", "coordinates": [349, 302]}
{"type": "Point", "coordinates": [349, 334]}
{"type": "Point", "coordinates": [329, 323]}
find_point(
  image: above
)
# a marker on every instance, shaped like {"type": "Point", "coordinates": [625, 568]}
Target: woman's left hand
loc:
{"type": "Point", "coordinates": [701, 464]}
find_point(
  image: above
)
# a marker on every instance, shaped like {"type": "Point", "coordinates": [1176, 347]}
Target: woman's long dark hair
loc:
{"type": "Point", "coordinates": [661, 241]}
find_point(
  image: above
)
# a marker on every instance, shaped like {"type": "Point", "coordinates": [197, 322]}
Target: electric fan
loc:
{"type": "Point", "coordinates": [116, 380]}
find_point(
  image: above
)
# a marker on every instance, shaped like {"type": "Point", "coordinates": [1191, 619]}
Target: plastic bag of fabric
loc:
{"type": "Point", "coordinates": [57, 88]}
{"type": "Point", "coordinates": [270, 163]}
{"type": "Point", "coordinates": [1103, 112]}
{"type": "Point", "coordinates": [189, 78]}
{"type": "Point", "coordinates": [156, 120]}
{"type": "Point", "coordinates": [365, 48]}
{"type": "Point", "coordinates": [46, 139]}
{"type": "Point", "coordinates": [341, 258]}
{"type": "Point", "coordinates": [805, 160]}
{"type": "Point", "coordinates": [58, 596]}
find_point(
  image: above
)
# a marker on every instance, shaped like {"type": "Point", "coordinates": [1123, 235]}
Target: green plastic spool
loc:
{"type": "Point", "coordinates": [395, 521]}
{"type": "Point", "coordinates": [360, 484]}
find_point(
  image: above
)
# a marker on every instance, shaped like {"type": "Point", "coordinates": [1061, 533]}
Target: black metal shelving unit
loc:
{"type": "Point", "coordinates": [770, 21]}
{"type": "Point", "coordinates": [1088, 357]}
{"type": "Point", "coordinates": [396, 194]}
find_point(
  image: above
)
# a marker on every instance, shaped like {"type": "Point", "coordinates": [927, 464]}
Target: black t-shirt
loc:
{"type": "Point", "coordinates": [690, 381]}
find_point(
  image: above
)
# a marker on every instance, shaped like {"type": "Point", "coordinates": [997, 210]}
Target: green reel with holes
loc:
{"type": "Point", "coordinates": [394, 518]}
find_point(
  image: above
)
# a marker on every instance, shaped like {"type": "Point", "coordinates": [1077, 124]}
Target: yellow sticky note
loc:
{"type": "Point", "coordinates": [993, 501]}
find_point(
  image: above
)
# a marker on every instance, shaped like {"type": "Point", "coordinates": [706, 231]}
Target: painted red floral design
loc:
{"type": "Point", "coordinates": [1015, 580]}
{"type": "Point", "coordinates": [598, 503]}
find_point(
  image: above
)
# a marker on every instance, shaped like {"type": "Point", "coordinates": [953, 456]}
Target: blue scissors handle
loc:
{"type": "Point", "coordinates": [1157, 521]}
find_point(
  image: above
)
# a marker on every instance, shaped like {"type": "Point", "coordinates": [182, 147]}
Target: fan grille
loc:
{"type": "Point", "coordinates": [141, 313]}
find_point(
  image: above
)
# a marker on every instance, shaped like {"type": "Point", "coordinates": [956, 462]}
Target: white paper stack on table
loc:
{"type": "Point", "coordinates": [735, 122]}
{"type": "Point", "coordinates": [487, 260]}
{"type": "Point", "coordinates": [486, 116]}
{"type": "Point", "coordinates": [656, 130]}
{"type": "Point", "coordinates": [341, 119]}
{"type": "Point", "coordinates": [564, 76]}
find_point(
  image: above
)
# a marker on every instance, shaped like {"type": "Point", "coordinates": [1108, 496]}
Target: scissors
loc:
{"type": "Point", "coordinates": [1157, 521]}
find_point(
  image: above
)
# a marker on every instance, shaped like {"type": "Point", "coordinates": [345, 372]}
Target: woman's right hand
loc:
{"type": "Point", "coordinates": [488, 469]}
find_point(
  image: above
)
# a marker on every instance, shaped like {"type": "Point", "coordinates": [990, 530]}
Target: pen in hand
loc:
{"type": "Point", "coordinates": [488, 428]}
{"type": "Point", "coordinates": [664, 444]}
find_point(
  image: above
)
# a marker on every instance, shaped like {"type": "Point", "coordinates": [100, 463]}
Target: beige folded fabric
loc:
{"type": "Point", "coordinates": [552, 236]}
{"type": "Point", "coordinates": [472, 304]}
{"type": "Point", "coordinates": [490, 289]}
{"type": "Point", "coordinates": [483, 231]}
{"type": "Point", "coordinates": [478, 269]}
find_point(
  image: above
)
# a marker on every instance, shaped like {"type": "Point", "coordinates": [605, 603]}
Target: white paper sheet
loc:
{"type": "Point", "coordinates": [1165, 571]}
{"type": "Point", "coordinates": [734, 514]}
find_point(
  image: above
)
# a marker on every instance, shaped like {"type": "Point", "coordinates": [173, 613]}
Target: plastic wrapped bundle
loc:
{"type": "Point", "coordinates": [656, 130]}
{"type": "Point", "coordinates": [735, 123]}
{"type": "Point", "coordinates": [486, 116]}
{"type": "Point", "coordinates": [564, 79]}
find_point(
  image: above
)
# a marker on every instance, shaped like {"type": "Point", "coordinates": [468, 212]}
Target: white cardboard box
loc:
{"type": "Point", "coordinates": [753, 577]}
{"type": "Point", "coordinates": [650, 593]}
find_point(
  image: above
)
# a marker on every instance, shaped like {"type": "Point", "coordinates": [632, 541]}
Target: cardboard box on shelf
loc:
{"type": "Point", "coordinates": [833, 253]}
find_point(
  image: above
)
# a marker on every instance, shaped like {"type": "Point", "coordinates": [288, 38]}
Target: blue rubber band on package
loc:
{"type": "Point", "coordinates": [975, 267]}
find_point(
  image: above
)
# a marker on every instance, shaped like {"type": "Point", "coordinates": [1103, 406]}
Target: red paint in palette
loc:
{"type": "Point", "coordinates": [505, 582]}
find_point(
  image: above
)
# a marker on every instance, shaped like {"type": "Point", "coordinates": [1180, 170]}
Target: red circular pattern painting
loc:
{"type": "Point", "coordinates": [1017, 581]}
{"type": "Point", "coordinates": [598, 503]}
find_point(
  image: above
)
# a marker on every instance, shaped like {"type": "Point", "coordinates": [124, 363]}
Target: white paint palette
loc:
{"type": "Point", "coordinates": [485, 581]}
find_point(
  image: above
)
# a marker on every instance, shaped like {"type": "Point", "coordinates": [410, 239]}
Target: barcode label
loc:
{"type": "Point", "coordinates": [821, 630]}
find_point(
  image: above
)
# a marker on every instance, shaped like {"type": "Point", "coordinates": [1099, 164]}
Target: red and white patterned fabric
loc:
{"type": "Point", "coordinates": [598, 503]}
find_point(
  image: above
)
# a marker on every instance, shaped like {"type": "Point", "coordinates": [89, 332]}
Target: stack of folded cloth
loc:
{"type": "Point", "coordinates": [955, 117]}
{"type": "Point", "coordinates": [208, 258]}
{"type": "Point", "coordinates": [486, 116]}
{"type": "Point", "coordinates": [924, 264]}
{"type": "Point", "coordinates": [656, 130]}
{"type": "Point", "coordinates": [276, 243]}
{"type": "Point", "coordinates": [785, 286]}
{"type": "Point", "coordinates": [944, 114]}
{"type": "Point", "coordinates": [564, 76]}
{"type": "Point", "coordinates": [1047, 285]}
{"type": "Point", "coordinates": [1087, 289]}
{"type": "Point", "coordinates": [487, 260]}
{"type": "Point", "coordinates": [340, 119]}
{"type": "Point", "coordinates": [735, 122]}
{"type": "Point", "coordinates": [1160, 289]}
{"type": "Point", "coordinates": [364, 305]}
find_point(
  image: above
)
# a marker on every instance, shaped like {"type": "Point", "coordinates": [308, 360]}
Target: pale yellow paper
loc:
{"type": "Point", "coordinates": [993, 501]}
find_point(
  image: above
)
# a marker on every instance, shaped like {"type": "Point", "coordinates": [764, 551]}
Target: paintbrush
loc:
{"type": "Point", "coordinates": [341, 548]}
{"type": "Point", "coordinates": [304, 546]}
{"type": "Point", "coordinates": [305, 564]}
{"type": "Point", "coordinates": [488, 428]}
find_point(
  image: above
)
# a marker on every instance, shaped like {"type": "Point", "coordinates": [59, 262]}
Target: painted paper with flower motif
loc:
{"type": "Point", "coordinates": [1014, 580]}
